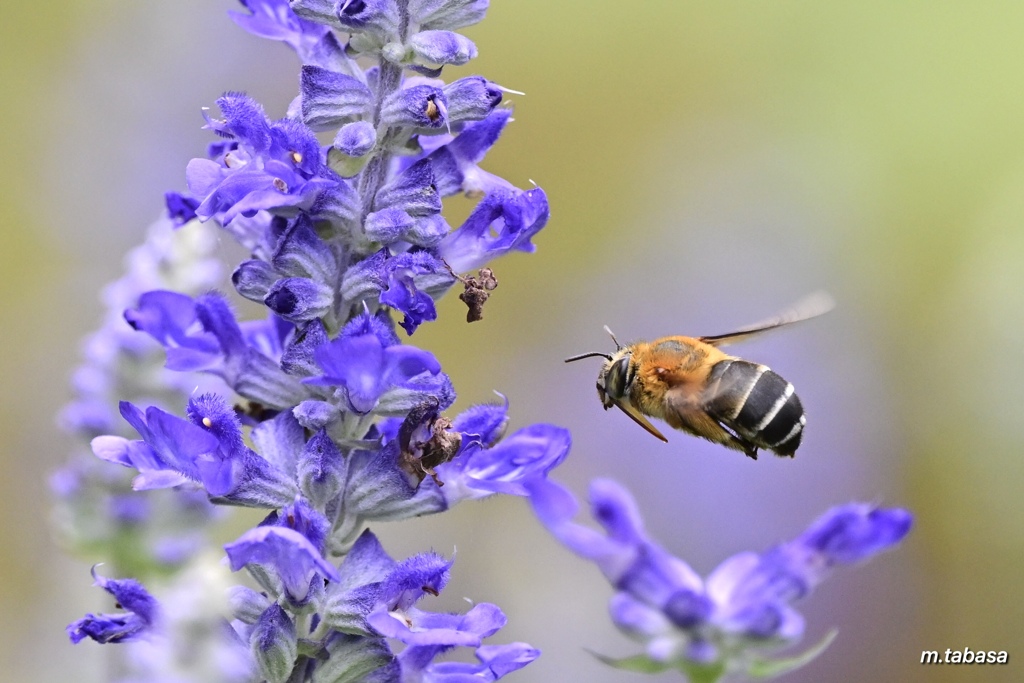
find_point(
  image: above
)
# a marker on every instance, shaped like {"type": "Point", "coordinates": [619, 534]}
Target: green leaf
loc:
{"type": "Point", "coordinates": [637, 663]}
{"type": "Point", "coordinates": [710, 673]}
{"type": "Point", "coordinates": [770, 668]}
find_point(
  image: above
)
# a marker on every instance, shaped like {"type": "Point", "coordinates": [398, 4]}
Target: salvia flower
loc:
{"type": "Point", "coordinates": [140, 613]}
{"type": "Point", "coordinates": [718, 625]}
{"type": "Point", "coordinates": [376, 597]}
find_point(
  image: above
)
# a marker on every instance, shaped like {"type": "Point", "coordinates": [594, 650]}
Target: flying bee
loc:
{"type": "Point", "coordinates": [694, 386]}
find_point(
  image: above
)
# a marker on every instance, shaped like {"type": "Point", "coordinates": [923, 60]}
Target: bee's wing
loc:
{"type": "Point", "coordinates": [809, 307]}
{"type": "Point", "coordinates": [638, 417]}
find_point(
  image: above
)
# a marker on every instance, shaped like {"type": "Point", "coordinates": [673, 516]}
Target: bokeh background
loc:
{"type": "Point", "coordinates": [707, 164]}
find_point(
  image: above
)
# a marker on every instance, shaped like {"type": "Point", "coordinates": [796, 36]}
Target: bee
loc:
{"type": "Point", "coordinates": [691, 384]}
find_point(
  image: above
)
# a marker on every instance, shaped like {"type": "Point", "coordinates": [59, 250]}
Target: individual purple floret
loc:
{"type": "Point", "coordinates": [141, 611]}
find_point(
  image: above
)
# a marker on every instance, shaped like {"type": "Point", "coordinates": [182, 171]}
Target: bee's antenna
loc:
{"type": "Point", "coordinates": [588, 355]}
{"type": "Point", "coordinates": [612, 335]}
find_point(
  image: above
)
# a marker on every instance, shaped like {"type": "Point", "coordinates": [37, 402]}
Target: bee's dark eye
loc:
{"type": "Point", "coordinates": [617, 379]}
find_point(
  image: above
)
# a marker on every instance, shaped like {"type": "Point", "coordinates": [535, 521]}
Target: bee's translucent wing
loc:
{"type": "Point", "coordinates": [810, 306]}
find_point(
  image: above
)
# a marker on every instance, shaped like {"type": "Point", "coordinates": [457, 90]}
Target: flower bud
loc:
{"type": "Point", "coordinates": [274, 644]}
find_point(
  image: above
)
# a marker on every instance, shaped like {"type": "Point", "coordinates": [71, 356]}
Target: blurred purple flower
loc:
{"type": "Point", "coordinates": [140, 616]}
{"type": "Point", "coordinates": [745, 604]}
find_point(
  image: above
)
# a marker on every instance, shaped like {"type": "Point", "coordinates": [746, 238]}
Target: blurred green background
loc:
{"type": "Point", "coordinates": [707, 164]}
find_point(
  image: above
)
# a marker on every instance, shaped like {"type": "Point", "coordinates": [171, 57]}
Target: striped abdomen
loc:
{"type": "Point", "coordinates": [757, 404]}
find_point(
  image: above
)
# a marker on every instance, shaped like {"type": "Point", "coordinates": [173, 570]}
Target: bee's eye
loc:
{"type": "Point", "coordinates": [617, 379]}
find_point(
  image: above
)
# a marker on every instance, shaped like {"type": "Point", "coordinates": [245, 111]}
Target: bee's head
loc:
{"type": "Point", "coordinates": [616, 377]}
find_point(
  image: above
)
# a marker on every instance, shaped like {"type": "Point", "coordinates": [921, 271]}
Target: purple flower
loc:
{"type": "Point", "coordinates": [170, 318]}
{"type": "Point", "coordinates": [376, 596]}
{"type": "Point", "coordinates": [274, 644]}
{"type": "Point", "coordinates": [744, 604]}
{"type": "Point", "coordinates": [180, 208]}
{"type": "Point", "coordinates": [207, 448]}
{"type": "Point", "coordinates": [275, 20]}
{"type": "Point", "coordinates": [503, 221]}
{"type": "Point", "coordinates": [508, 466]}
{"type": "Point", "coordinates": [355, 139]}
{"type": "Point", "coordinates": [484, 424]}
{"type": "Point", "coordinates": [495, 661]}
{"type": "Point", "coordinates": [377, 488]}
{"type": "Point", "coordinates": [374, 587]}
{"type": "Point", "coordinates": [472, 99]}
{"type": "Point", "coordinates": [442, 47]}
{"type": "Point", "coordinates": [139, 618]}
{"type": "Point", "coordinates": [286, 554]}
{"type": "Point", "coordinates": [455, 164]}
{"type": "Point", "coordinates": [407, 280]}
{"type": "Point", "coordinates": [169, 450]}
{"type": "Point", "coordinates": [275, 167]}
{"type": "Point", "coordinates": [367, 371]}
{"type": "Point", "coordinates": [203, 335]}
{"type": "Point", "coordinates": [379, 17]}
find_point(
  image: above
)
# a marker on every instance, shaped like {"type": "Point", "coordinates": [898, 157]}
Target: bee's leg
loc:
{"type": "Point", "coordinates": [705, 426]}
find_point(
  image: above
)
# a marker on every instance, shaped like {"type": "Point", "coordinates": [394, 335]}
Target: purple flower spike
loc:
{"type": "Point", "coordinates": [141, 613]}
{"type": "Point", "coordinates": [285, 552]}
{"type": "Point", "coordinates": [333, 423]}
